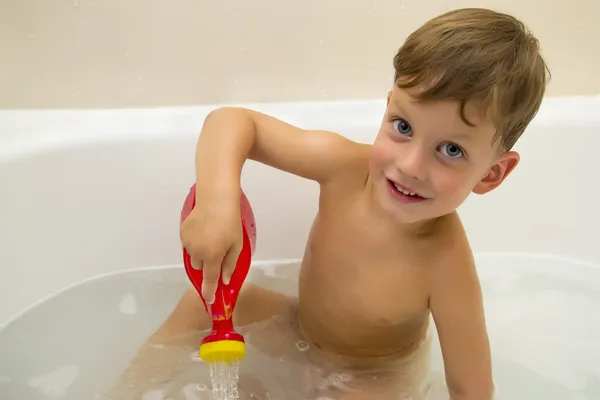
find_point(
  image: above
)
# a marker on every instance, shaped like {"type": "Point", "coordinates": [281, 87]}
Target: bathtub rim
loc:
{"type": "Point", "coordinates": [36, 131]}
{"type": "Point", "coordinates": [264, 263]}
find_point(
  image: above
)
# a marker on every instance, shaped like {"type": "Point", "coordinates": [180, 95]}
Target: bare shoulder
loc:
{"type": "Point", "coordinates": [453, 272]}
{"type": "Point", "coordinates": [453, 253]}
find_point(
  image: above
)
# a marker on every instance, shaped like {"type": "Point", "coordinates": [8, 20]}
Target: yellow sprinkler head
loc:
{"type": "Point", "coordinates": [223, 351]}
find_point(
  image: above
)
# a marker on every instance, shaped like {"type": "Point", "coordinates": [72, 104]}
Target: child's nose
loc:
{"type": "Point", "coordinates": [413, 162]}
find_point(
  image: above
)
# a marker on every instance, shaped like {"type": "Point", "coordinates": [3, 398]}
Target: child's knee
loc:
{"type": "Point", "coordinates": [256, 304]}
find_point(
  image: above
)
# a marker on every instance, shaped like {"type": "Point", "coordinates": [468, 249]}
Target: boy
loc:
{"type": "Point", "coordinates": [387, 247]}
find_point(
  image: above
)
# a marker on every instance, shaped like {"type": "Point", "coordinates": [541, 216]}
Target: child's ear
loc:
{"type": "Point", "coordinates": [496, 174]}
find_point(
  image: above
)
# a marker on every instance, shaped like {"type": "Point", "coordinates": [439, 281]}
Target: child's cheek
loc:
{"type": "Point", "coordinates": [381, 152]}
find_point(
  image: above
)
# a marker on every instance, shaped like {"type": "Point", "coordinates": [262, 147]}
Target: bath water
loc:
{"type": "Point", "coordinates": [89, 342]}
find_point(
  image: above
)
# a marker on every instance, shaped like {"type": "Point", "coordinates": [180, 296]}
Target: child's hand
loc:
{"type": "Point", "coordinates": [212, 235]}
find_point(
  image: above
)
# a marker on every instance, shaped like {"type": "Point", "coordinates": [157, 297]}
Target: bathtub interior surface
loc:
{"type": "Point", "coordinates": [89, 192]}
{"type": "Point", "coordinates": [541, 314]}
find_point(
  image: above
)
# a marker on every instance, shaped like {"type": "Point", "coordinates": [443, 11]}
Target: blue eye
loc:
{"type": "Point", "coordinates": [402, 127]}
{"type": "Point", "coordinates": [451, 150]}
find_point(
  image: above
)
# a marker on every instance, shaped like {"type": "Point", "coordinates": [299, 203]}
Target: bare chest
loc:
{"type": "Point", "coordinates": [358, 286]}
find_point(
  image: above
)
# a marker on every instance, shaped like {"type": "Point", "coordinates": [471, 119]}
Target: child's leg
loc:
{"type": "Point", "coordinates": [166, 358]}
{"type": "Point", "coordinates": [254, 304]}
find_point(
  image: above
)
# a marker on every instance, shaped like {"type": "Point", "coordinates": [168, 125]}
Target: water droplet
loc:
{"type": "Point", "coordinates": [302, 345]}
{"type": "Point", "coordinates": [202, 387]}
{"type": "Point", "coordinates": [31, 36]}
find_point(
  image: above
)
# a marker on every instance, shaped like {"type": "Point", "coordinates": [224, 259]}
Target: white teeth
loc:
{"type": "Point", "coordinates": [403, 191]}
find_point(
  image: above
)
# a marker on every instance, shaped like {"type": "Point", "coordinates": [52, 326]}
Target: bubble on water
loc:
{"type": "Point", "coordinates": [195, 356]}
{"type": "Point", "coordinates": [344, 377]}
{"type": "Point", "coordinates": [128, 304]}
{"type": "Point", "coordinates": [322, 385]}
{"type": "Point", "coordinates": [302, 345]}
{"type": "Point", "coordinates": [56, 384]}
{"type": "Point", "coordinates": [155, 394]}
{"type": "Point", "coordinates": [338, 381]}
{"type": "Point", "coordinates": [191, 391]}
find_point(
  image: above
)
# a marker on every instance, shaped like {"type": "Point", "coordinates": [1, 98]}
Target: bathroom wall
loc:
{"type": "Point", "coordinates": [136, 53]}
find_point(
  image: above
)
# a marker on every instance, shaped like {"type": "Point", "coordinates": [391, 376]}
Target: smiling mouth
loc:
{"type": "Point", "coordinates": [403, 193]}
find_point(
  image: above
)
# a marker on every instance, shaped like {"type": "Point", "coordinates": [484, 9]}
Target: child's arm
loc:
{"type": "Point", "coordinates": [212, 232]}
{"type": "Point", "coordinates": [230, 136]}
{"type": "Point", "coordinates": [457, 308]}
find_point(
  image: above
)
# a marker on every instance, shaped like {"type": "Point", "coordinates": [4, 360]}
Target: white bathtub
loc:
{"type": "Point", "coordinates": [86, 193]}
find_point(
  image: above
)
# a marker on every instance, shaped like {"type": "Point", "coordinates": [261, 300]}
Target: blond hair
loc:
{"type": "Point", "coordinates": [479, 55]}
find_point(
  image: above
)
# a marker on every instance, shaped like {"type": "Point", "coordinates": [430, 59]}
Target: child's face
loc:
{"type": "Point", "coordinates": [427, 149]}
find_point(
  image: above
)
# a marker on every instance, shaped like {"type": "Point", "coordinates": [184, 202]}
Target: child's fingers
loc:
{"type": "Point", "coordinates": [229, 262]}
{"type": "Point", "coordinates": [211, 270]}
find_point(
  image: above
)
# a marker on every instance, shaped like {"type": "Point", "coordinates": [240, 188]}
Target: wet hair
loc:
{"type": "Point", "coordinates": [477, 55]}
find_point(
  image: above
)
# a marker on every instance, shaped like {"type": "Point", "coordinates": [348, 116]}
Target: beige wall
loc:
{"type": "Point", "coordinates": [122, 53]}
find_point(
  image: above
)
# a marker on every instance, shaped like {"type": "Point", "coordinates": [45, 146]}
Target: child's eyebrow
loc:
{"type": "Point", "coordinates": [398, 108]}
